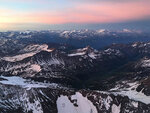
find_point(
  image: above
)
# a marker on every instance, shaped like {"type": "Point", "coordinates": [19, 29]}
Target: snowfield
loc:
{"type": "Point", "coordinates": [83, 105]}
{"type": "Point", "coordinates": [27, 84]}
{"type": "Point", "coordinates": [132, 93]}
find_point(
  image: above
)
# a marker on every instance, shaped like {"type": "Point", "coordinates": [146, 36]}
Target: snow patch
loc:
{"type": "Point", "coordinates": [18, 57]}
{"type": "Point", "coordinates": [134, 45]}
{"type": "Point", "coordinates": [64, 105]}
{"type": "Point", "coordinates": [36, 68]}
{"type": "Point", "coordinates": [34, 106]}
{"type": "Point", "coordinates": [77, 54]}
{"type": "Point", "coordinates": [145, 63]}
{"type": "Point", "coordinates": [110, 51]}
{"type": "Point", "coordinates": [135, 104]}
{"type": "Point", "coordinates": [18, 81]}
{"type": "Point", "coordinates": [92, 55]}
{"type": "Point", "coordinates": [101, 31]}
{"type": "Point", "coordinates": [127, 31]}
{"type": "Point", "coordinates": [107, 102]}
{"type": "Point", "coordinates": [115, 108]}
{"type": "Point", "coordinates": [27, 68]}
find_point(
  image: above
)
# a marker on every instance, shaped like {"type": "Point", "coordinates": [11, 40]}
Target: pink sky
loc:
{"type": "Point", "coordinates": [80, 12]}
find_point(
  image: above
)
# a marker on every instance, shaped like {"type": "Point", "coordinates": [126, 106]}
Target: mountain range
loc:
{"type": "Point", "coordinates": [68, 71]}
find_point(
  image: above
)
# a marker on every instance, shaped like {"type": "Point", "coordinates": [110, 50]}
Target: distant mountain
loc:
{"type": "Point", "coordinates": [79, 38]}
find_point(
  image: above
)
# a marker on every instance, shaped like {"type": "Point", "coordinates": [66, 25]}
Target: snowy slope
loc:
{"type": "Point", "coordinates": [80, 104]}
{"type": "Point", "coordinates": [29, 51]}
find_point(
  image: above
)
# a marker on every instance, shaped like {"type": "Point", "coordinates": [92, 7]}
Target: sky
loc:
{"type": "Point", "coordinates": [45, 14]}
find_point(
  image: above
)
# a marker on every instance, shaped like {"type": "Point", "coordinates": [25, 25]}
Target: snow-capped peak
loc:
{"type": "Point", "coordinates": [127, 30]}
{"type": "Point", "coordinates": [88, 51]}
{"type": "Point", "coordinates": [101, 30]}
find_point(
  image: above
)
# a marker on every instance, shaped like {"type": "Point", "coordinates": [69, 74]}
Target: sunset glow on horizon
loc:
{"type": "Point", "coordinates": [69, 11]}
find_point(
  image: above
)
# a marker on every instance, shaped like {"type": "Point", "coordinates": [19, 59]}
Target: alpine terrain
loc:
{"type": "Point", "coordinates": [78, 71]}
